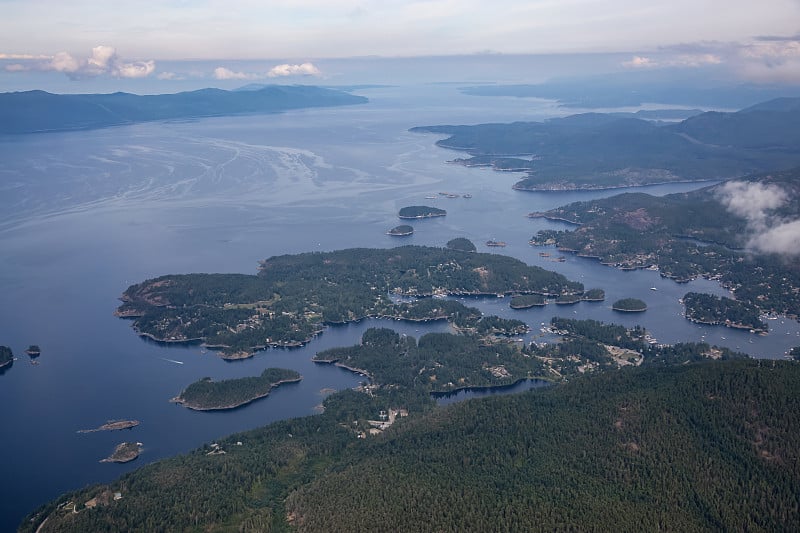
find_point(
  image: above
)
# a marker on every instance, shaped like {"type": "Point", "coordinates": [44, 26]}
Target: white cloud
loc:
{"type": "Point", "coordinates": [305, 69]}
{"type": "Point", "coordinates": [751, 201]}
{"type": "Point", "coordinates": [23, 56]}
{"type": "Point", "coordinates": [681, 60]}
{"type": "Point", "coordinates": [781, 239]}
{"type": "Point", "coordinates": [755, 202]}
{"type": "Point", "coordinates": [770, 60]}
{"type": "Point", "coordinates": [222, 73]}
{"type": "Point", "coordinates": [278, 71]}
{"type": "Point", "coordinates": [102, 61]}
{"type": "Point", "coordinates": [140, 69]}
{"type": "Point", "coordinates": [168, 76]}
{"type": "Point", "coordinates": [62, 62]}
{"type": "Point", "coordinates": [639, 62]}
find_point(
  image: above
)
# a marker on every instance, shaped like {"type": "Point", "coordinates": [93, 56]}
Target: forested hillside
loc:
{"type": "Point", "coordinates": [694, 447]}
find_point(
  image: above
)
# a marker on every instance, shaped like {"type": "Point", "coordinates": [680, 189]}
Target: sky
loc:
{"type": "Point", "coordinates": [74, 44]}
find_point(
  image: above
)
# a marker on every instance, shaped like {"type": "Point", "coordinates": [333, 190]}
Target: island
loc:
{"type": "Point", "coordinates": [421, 211]}
{"type": "Point", "coordinates": [568, 299]}
{"type": "Point", "coordinates": [124, 453]}
{"type": "Point", "coordinates": [461, 243]}
{"type": "Point", "coordinates": [608, 150]}
{"type": "Point", "coordinates": [629, 305]}
{"type": "Point", "coordinates": [695, 234]}
{"type": "Point", "coordinates": [208, 395]}
{"type": "Point", "coordinates": [719, 310]}
{"type": "Point", "coordinates": [33, 350]}
{"type": "Point", "coordinates": [594, 295]}
{"type": "Point", "coordinates": [403, 230]}
{"type": "Point", "coordinates": [112, 425]}
{"type": "Point", "coordinates": [294, 297]}
{"type": "Point", "coordinates": [526, 301]}
{"type": "Point", "coordinates": [40, 111]}
{"type": "Point", "coordinates": [6, 356]}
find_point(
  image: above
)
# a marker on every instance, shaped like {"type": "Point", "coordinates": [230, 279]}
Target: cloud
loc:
{"type": "Point", "coordinates": [103, 61]}
{"type": "Point", "coordinates": [639, 62]}
{"type": "Point", "coordinates": [278, 71]}
{"type": "Point", "coordinates": [222, 73]}
{"type": "Point", "coordinates": [781, 239]}
{"type": "Point", "coordinates": [306, 69]}
{"type": "Point", "coordinates": [23, 56]}
{"type": "Point", "coordinates": [681, 60]}
{"type": "Point", "coordinates": [169, 76]}
{"type": "Point", "coordinates": [767, 59]}
{"type": "Point", "coordinates": [756, 202]}
{"type": "Point", "coordinates": [771, 59]}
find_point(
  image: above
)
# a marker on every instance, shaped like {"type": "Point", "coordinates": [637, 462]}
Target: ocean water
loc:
{"type": "Point", "coordinates": [85, 214]}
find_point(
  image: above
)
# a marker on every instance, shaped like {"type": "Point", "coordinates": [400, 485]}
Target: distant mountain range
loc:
{"type": "Point", "coordinates": [40, 111]}
{"type": "Point", "coordinates": [601, 150]}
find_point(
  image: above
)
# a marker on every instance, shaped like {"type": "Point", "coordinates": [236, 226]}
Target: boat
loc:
{"type": "Point", "coordinates": [495, 243]}
{"type": "Point", "coordinates": [653, 289]}
{"type": "Point", "coordinates": [544, 254]}
{"type": "Point", "coordinates": [467, 195]}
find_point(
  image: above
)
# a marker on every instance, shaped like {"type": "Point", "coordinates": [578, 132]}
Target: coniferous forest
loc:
{"type": "Point", "coordinates": [704, 446]}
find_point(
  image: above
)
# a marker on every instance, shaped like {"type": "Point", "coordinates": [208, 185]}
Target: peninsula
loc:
{"type": "Point", "coordinates": [208, 395]}
{"type": "Point", "coordinates": [293, 297]}
{"type": "Point", "coordinates": [39, 111]}
{"type": "Point", "coordinates": [421, 211]}
{"type": "Point", "coordinates": [719, 310]}
{"type": "Point", "coordinates": [608, 150]}
{"type": "Point", "coordinates": [687, 235]}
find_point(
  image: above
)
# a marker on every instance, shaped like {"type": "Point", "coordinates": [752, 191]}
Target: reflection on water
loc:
{"type": "Point", "coordinates": [445, 398]}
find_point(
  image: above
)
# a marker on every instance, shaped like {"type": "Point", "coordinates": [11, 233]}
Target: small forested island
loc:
{"type": "Point", "coordinates": [461, 243]}
{"type": "Point", "coordinates": [719, 310]}
{"type": "Point", "coordinates": [403, 230]}
{"type": "Point", "coordinates": [124, 452]}
{"type": "Point", "coordinates": [594, 295]}
{"type": "Point", "coordinates": [6, 356]}
{"type": "Point", "coordinates": [526, 301]}
{"type": "Point", "coordinates": [687, 235]}
{"type": "Point", "coordinates": [421, 211]}
{"type": "Point", "coordinates": [629, 305]}
{"type": "Point", "coordinates": [606, 150]}
{"type": "Point", "coordinates": [208, 395]}
{"type": "Point", "coordinates": [293, 297]}
{"type": "Point", "coordinates": [33, 350]}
